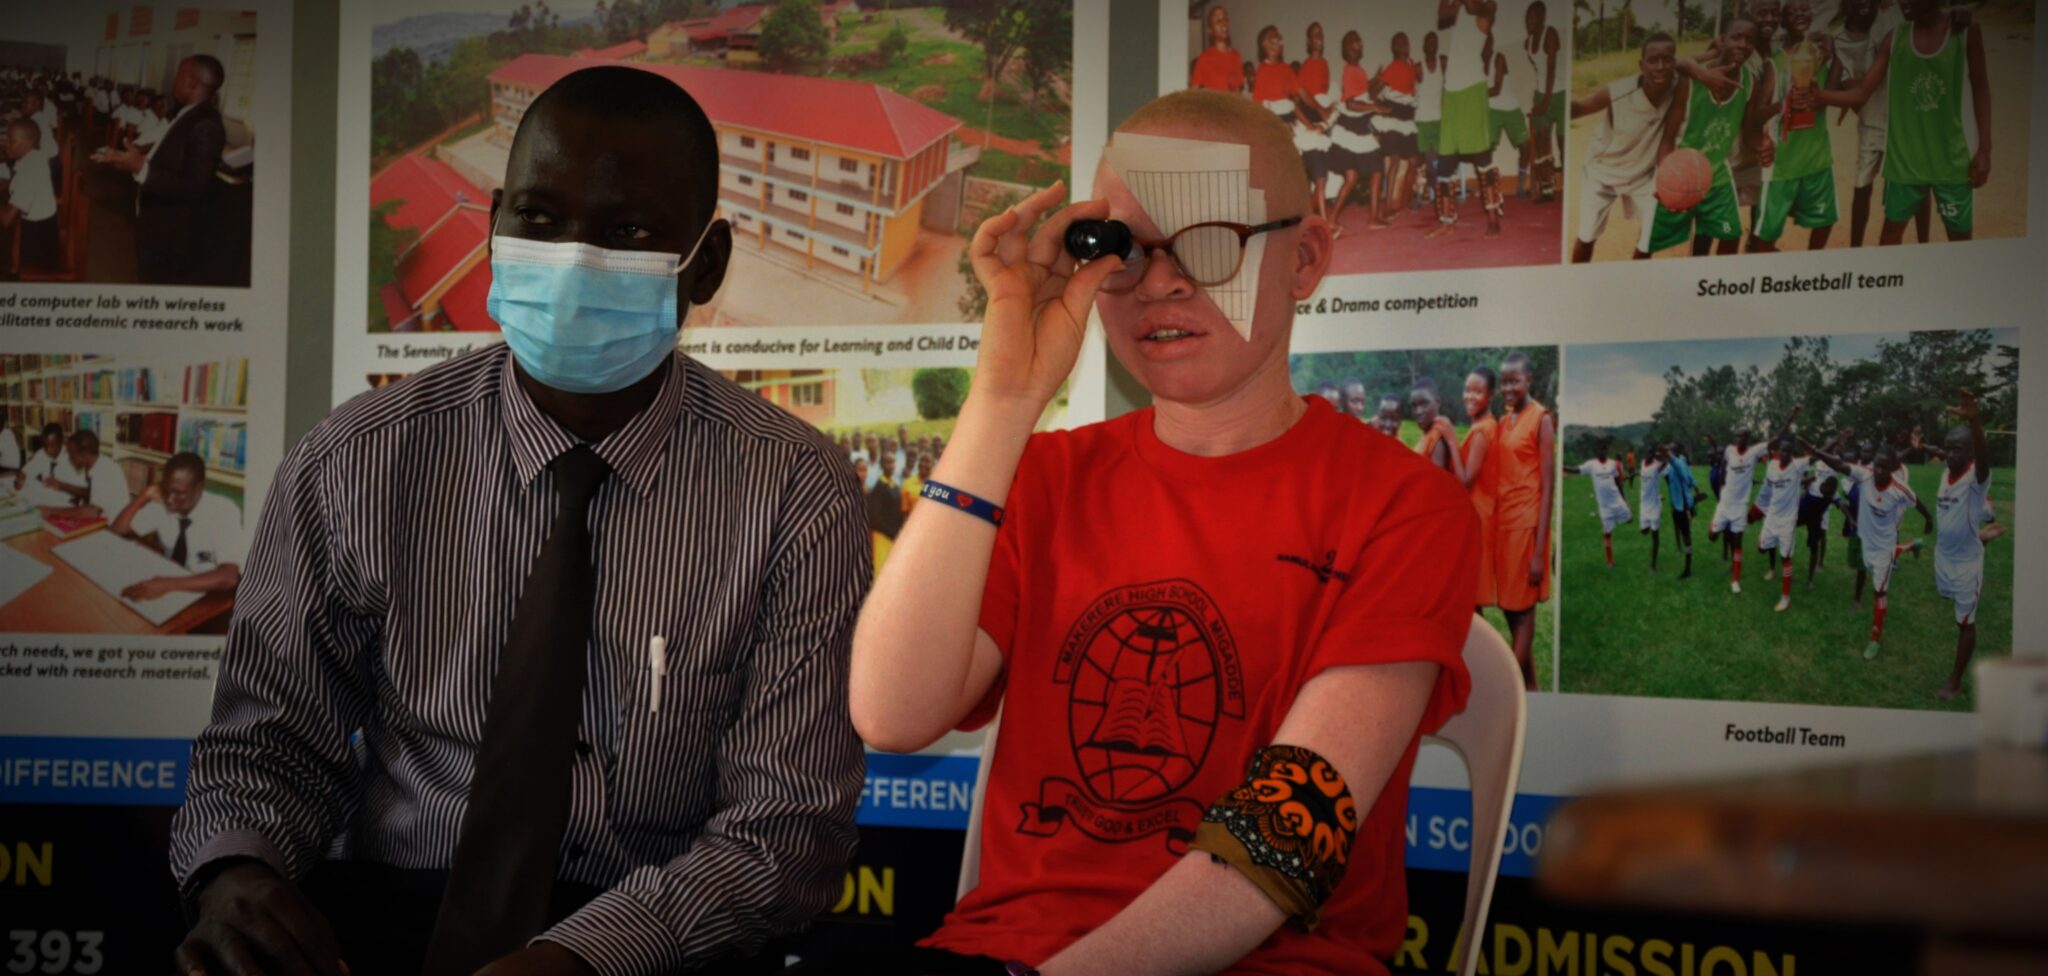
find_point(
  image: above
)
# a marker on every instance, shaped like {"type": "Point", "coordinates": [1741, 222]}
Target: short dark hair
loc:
{"type": "Point", "coordinates": [53, 428]}
{"type": "Point", "coordinates": [215, 74]}
{"type": "Point", "coordinates": [613, 93]}
{"type": "Point", "coordinates": [1658, 37]}
{"type": "Point", "coordinates": [35, 131]}
{"type": "Point", "coordinates": [1486, 373]}
{"type": "Point", "coordinates": [188, 462]}
{"type": "Point", "coordinates": [85, 440]}
{"type": "Point", "coordinates": [1519, 360]}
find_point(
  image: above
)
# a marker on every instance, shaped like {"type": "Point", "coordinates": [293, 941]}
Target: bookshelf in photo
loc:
{"type": "Point", "coordinates": [144, 409]}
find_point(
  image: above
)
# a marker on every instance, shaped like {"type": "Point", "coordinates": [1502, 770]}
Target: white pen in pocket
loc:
{"type": "Point", "coordinates": [657, 667]}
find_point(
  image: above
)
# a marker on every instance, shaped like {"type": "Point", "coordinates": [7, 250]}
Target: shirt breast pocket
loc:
{"type": "Point", "coordinates": [668, 758]}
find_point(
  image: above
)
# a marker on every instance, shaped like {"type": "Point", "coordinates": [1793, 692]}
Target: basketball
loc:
{"type": "Point", "coordinates": [1683, 179]}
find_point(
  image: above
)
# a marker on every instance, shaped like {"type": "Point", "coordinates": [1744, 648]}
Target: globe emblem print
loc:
{"type": "Point", "coordinates": [1143, 706]}
{"type": "Point", "coordinates": [1928, 92]}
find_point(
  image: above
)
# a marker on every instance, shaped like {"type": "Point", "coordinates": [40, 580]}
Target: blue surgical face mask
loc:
{"type": "Point", "coordinates": [586, 319]}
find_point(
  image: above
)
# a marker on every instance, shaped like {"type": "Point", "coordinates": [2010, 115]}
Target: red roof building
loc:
{"type": "Point", "coordinates": [626, 51]}
{"type": "Point", "coordinates": [833, 168]}
{"type": "Point", "coordinates": [442, 277]}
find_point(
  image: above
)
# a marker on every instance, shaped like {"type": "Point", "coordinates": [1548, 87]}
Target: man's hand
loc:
{"type": "Point", "coordinates": [128, 160]}
{"type": "Point", "coordinates": [1967, 408]}
{"type": "Point", "coordinates": [539, 959]}
{"type": "Point", "coordinates": [148, 589]}
{"type": "Point", "coordinates": [1444, 426]}
{"type": "Point", "coordinates": [253, 922]}
{"type": "Point", "coordinates": [152, 493]}
{"type": "Point", "coordinates": [1038, 297]}
{"type": "Point", "coordinates": [1980, 168]}
{"type": "Point", "coordinates": [1536, 569]}
{"type": "Point", "coordinates": [1767, 148]}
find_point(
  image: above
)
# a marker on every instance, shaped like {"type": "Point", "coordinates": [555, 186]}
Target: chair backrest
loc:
{"type": "Point", "coordinates": [1487, 735]}
{"type": "Point", "coordinates": [970, 855]}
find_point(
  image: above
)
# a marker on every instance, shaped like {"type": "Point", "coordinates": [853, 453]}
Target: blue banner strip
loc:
{"type": "Point", "coordinates": [917, 791]}
{"type": "Point", "coordinates": [1440, 830]}
{"type": "Point", "coordinates": [113, 772]}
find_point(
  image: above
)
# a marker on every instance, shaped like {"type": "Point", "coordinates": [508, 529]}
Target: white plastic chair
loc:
{"type": "Point", "coordinates": [1487, 735]}
{"type": "Point", "coordinates": [970, 855]}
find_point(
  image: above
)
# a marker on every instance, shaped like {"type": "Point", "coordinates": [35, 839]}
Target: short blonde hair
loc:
{"type": "Point", "coordinates": [1243, 119]}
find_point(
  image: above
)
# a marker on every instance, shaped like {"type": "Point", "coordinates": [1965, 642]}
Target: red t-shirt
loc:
{"type": "Point", "coordinates": [1158, 614]}
{"type": "Point", "coordinates": [1274, 82]}
{"type": "Point", "coordinates": [1355, 82]}
{"type": "Point", "coordinates": [1401, 76]}
{"type": "Point", "coordinates": [1315, 76]}
{"type": "Point", "coordinates": [1218, 70]}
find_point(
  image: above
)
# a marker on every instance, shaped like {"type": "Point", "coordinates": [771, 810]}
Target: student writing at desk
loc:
{"type": "Point", "coordinates": [196, 529]}
{"type": "Point", "coordinates": [92, 484]}
{"type": "Point", "coordinates": [32, 480]}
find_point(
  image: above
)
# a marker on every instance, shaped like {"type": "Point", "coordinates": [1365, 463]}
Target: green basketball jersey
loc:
{"type": "Point", "coordinates": [1925, 142]}
{"type": "Point", "coordinates": [1802, 152]}
{"type": "Point", "coordinates": [1714, 127]}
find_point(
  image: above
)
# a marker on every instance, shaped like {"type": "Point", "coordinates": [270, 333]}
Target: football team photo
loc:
{"type": "Point", "coordinates": [1815, 519]}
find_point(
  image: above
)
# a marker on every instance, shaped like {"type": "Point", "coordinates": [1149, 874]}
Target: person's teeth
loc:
{"type": "Point", "coordinates": [1167, 335]}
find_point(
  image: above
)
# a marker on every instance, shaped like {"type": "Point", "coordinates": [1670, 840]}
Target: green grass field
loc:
{"type": "Point", "coordinates": [933, 58]}
{"type": "Point", "coordinates": [1627, 632]}
{"type": "Point", "coordinates": [1545, 647]}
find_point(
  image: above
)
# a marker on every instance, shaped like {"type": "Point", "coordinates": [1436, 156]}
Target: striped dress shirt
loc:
{"type": "Point", "coordinates": [378, 595]}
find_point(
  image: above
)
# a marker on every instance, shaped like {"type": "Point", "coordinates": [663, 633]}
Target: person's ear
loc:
{"type": "Point", "coordinates": [713, 257]}
{"type": "Point", "coordinates": [1313, 248]}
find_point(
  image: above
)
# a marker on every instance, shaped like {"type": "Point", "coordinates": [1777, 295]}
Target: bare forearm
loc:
{"type": "Point", "coordinates": [913, 648]}
{"type": "Point", "coordinates": [1199, 917]}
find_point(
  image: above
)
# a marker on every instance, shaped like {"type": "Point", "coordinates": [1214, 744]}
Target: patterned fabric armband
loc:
{"type": "Point", "coordinates": [1288, 828]}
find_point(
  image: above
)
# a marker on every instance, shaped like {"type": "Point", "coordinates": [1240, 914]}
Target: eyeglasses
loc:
{"type": "Point", "coordinates": [1207, 254]}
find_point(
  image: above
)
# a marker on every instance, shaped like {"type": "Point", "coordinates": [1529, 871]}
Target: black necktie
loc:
{"type": "Point", "coordinates": [178, 548]}
{"type": "Point", "coordinates": [506, 855]}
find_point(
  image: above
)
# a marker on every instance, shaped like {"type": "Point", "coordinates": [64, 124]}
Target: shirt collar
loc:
{"type": "Point", "coordinates": [634, 452]}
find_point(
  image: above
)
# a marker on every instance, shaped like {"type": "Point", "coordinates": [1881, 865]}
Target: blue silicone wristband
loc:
{"type": "Point", "coordinates": [961, 501]}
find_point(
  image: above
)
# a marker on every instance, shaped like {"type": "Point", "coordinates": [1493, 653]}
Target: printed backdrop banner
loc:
{"type": "Point", "coordinates": [142, 363]}
{"type": "Point", "coordinates": [1705, 604]}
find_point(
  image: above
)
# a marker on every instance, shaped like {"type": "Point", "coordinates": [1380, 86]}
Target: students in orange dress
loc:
{"type": "Point", "coordinates": [1439, 441]}
{"type": "Point", "coordinates": [1480, 470]}
{"type": "Point", "coordinates": [1219, 67]}
{"type": "Point", "coordinates": [1528, 452]}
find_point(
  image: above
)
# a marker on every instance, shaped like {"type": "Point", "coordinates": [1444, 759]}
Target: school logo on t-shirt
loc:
{"type": "Point", "coordinates": [1152, 670]}
{"type": "Point", "coordinates": [1929, 91]}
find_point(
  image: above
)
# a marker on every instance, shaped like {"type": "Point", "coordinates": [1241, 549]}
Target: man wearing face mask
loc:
{"type": "Point", "coordinates": [558, 704]}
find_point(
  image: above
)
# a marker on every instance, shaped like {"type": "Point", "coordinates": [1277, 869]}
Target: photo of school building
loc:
{"type": "Point", "coordinates": [440, 279]}
{"type": "Point", "coordinates": [840, 172]}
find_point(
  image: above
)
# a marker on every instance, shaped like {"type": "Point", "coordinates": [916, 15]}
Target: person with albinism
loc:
{"type": "Point", "coordinates": [538, 663]}
{"type": "Point", "coordinates": [196, 529]}
{"type": "Point", "coordinates": [1233, 607]}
